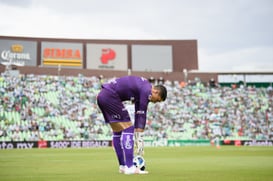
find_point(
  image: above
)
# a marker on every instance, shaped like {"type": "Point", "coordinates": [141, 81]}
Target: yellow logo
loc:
{"type": "Point", "coordinates": [17, 48]}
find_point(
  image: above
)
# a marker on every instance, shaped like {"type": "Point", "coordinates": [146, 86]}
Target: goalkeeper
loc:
{"type": "Point", "coordinates": [110, 101]}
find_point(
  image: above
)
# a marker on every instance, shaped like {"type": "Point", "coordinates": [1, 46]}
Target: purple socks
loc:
{"type": "Point", "coordinates": [118, 148]}
{"type": "Point", "coordinates": [124, 146]}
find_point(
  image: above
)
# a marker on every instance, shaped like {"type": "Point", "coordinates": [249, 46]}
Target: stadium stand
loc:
{"type": "Point", "coordinates": [35, 107]}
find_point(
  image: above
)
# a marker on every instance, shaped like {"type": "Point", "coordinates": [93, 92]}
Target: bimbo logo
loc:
{"type": "Point", "coordinates": [108, 54]}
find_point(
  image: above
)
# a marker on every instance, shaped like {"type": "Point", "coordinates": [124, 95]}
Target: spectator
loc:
{"type": "Point", "coordinates": [47, 102]}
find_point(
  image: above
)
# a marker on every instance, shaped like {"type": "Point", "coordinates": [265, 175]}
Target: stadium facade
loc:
{"type": "Point", "coordinates": [160, 59]}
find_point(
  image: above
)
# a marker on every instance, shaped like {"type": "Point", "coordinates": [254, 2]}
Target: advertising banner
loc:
{"type": "Point", "coordinates": [107, 56]}
{"type": "Point", "coordinates": [54, 144]}
{"type": "Point", "coordinates": [18, 52]}
{"type": "Point", "coordinates": [56, 54]}
{"type": "Point", "coordinates": [108, 143]}
{"type": "Point", "coordinates": [152, 58]}
{"type": "Point", "coordinates": [248, 142]}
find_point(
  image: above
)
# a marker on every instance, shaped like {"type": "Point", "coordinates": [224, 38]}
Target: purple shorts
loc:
{"type": "Point", "coordinates": [112, 107]}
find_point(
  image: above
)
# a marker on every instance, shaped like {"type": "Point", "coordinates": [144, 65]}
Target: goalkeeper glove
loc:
{"type": "Point", "coordinates": [139, 143]}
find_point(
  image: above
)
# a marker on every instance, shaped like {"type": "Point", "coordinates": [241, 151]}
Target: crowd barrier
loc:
{"type": "Point", "coordinates": [54, 144]}
{"type": "Point", "coordinates": [248, 142]}
{"type": "Point", "coordinates": [108, 143]}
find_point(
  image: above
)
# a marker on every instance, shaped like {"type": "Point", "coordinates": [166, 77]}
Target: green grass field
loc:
{"type": "Point", "coordinates": [229, 163]}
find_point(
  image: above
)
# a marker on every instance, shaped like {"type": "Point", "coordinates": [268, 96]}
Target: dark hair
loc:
{"type": "Point", "coordinates": [162, 91]}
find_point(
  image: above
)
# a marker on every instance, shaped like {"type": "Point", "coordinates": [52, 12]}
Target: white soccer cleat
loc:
{"type": "Point", "coordinates": [121, 169]}
{"type": "Point", "coordinates": [134, 170]}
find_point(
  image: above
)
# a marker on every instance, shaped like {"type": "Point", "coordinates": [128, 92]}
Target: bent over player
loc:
{"type": "Point", "coordinates": [110, 100]}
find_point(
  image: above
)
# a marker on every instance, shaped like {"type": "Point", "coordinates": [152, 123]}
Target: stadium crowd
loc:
{"type": "Point", "coordinates": [45, 107]}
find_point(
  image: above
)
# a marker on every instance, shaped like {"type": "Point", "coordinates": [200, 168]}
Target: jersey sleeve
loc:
{"type": "Point", "coordinates": [141, 111]}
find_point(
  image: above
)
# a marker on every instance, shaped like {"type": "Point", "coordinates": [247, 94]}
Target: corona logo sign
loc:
{"type": "Point", "coordinates": [63, 57]}
{"type": "Point", "coordinates": [15, 55]}
{"type": "Point", "coordinates": [107, 55]}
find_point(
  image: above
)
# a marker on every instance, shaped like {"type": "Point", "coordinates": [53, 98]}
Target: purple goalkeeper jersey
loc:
{"type": "Point", "coordinates": [135, 89]}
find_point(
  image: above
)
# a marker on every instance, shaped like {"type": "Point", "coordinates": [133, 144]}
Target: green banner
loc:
{"type": "Point", "coordinates": [188, 142]}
